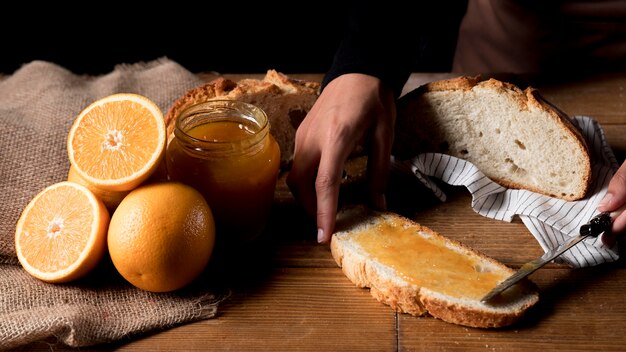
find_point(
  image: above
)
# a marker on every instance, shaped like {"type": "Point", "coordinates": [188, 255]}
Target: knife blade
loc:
{"type": "Point", "coordinates": [595, 227]}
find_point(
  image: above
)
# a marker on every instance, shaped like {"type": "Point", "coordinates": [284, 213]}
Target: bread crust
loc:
{"type": "Point", "coordinates": [457, 83]}
{"type": "Point", "coordinates": [413, 136]}
{"type": "Point", "coordinates": [391, 289]}
{"type": "Point", "coordinates": [285, 100]}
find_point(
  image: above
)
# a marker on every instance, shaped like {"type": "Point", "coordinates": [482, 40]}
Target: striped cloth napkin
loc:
{"type": "Point", "coordinates": [550, 220]}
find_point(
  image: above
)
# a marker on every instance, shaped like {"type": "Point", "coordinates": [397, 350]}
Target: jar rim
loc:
{"type": "Point", "coordinates": [222, 110]}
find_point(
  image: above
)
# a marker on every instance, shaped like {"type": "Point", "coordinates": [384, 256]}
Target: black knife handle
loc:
{"type": "Point", "coordinates": [597, 225]}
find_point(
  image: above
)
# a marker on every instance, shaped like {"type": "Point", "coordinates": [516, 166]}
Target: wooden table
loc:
{"type": "Point", "coordinates": [291, 296]}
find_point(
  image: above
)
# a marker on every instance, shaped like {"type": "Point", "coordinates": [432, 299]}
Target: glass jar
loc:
{"type": "Point", "coordinates": [223, 148]}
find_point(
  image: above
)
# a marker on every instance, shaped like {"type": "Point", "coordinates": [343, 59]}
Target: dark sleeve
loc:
{"type": "Point", "coordinates": [385, 38]}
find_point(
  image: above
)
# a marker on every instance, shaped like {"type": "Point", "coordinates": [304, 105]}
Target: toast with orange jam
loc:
{"type": "Point", "coordinates": [417, 271]}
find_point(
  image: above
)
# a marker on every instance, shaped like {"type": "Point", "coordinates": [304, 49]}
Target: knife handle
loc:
{"type": "Point", "coordinates": [601, 223]}
{"type": "Point", "coordinates": [609, 238]}
{"type": "Point", "coordinates": [597, 225]}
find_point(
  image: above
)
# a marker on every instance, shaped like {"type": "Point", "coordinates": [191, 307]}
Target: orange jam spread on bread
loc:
{"type": "Point", "coordinates": [426, 261]}
{"type": "Point", "coordinates": [233, 161]}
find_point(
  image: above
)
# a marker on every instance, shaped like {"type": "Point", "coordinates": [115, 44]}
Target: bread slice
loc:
{"type": "Point", "coordinates": [514, 137]}
{"type": "Point", "coordinates": [415, 270]}
{"type": "Point", "coordinates": [286, 102]}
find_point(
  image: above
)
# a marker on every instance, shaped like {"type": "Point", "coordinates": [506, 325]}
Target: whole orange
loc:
{"type": "Point", "coordinates": [161, 236]}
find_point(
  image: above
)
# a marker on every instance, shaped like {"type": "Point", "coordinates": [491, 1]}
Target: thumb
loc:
{"type": "Point", "coordinates": [614, 199]}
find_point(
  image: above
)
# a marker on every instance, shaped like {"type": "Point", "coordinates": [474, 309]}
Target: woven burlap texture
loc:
{"type": "Point", "coordinates": [38, 104]}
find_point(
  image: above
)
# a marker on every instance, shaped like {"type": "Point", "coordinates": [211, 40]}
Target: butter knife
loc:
{"type": "Point", "coordinates": [595, 227]}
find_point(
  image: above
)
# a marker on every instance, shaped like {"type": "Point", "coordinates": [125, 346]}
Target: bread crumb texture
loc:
{"type": "Point", "coordinates": [514, 137]}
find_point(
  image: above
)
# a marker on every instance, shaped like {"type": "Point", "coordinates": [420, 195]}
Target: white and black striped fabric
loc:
{"type": "Point", "coordinates": [550, 220]}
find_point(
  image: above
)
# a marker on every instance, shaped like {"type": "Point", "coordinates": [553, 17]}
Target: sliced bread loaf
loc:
{"type": "Point", "coordinates": [415, 270]}
{"type": "Point", "coordinates": [514, 137]}
{"type": "Point", "coordinates": [286, 102]}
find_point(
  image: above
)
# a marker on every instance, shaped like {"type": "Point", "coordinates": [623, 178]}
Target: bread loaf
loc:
{"type": "Point", "coordinates": [286, 102]}
{"type": "Point", "coordinates": [415, 270]}
{"type": "Point", "coordinates": [514, 137]}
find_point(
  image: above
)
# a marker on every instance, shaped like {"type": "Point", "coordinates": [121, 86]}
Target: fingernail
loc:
{"type": "Point", "coordinates": [605, 201]}
{"type": "Point", "coordinates": [320, 235]}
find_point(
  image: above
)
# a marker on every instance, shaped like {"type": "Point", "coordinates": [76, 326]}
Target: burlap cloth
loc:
{"type": "Point", "coordinates": [38, 104]}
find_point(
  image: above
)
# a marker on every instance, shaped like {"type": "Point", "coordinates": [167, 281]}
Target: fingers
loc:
{"type": "Point", "coordinates": [379, 159]}
{"type": "Point", "coordinates": [351, 107]}
{"type": "Point", "coordinates": [301, 181]}
{"type": "Point", "coordinates": [616, 193]}
{"type": "Point", "coordinates": [317, 188]}
{"type": "Point", "coordinates": [327, 188]}
{"type": "Point", "coordinates": [322, 146]}
{"type": "Point", "coordinates": [617, 231]}
{"type": "Point", "coordinates": [306, 157]}
{"type": "Point", "coordinates": [613, 200]}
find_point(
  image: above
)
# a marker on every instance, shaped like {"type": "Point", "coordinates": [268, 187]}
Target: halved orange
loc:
{"type": "Point", "coordinates": [117, 142]}
{"type": "Point", "coordinates": [61, 234]}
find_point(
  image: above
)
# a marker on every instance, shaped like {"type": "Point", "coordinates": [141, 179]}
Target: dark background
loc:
{"type": "Point", "coordinates": [207, 36]}
{"type": "Point", "coordinates": [234, 37]}
{"type": "Point", "coordinates": [91, 37]}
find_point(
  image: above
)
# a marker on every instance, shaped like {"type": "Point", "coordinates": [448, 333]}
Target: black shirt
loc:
{"type": "Point", "coordinates": [390, 39]}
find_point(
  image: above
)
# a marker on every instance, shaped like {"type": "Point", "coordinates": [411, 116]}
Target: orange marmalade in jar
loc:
{"type": "Point", "coordinates": [223, 149]}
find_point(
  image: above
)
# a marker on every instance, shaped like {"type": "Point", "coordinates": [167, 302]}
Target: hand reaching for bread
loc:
{"type": "Point", "coordinates": [352, 108]}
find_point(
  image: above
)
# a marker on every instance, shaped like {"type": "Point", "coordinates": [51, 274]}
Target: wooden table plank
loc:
{"type": "Point", "coordinates": [303, 309]}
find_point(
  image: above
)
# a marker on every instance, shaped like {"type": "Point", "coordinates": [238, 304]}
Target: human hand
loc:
{"type": "Point", "coordinates": [352, 108]}
{"type": "Point", "coordinates": [614, 199]}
